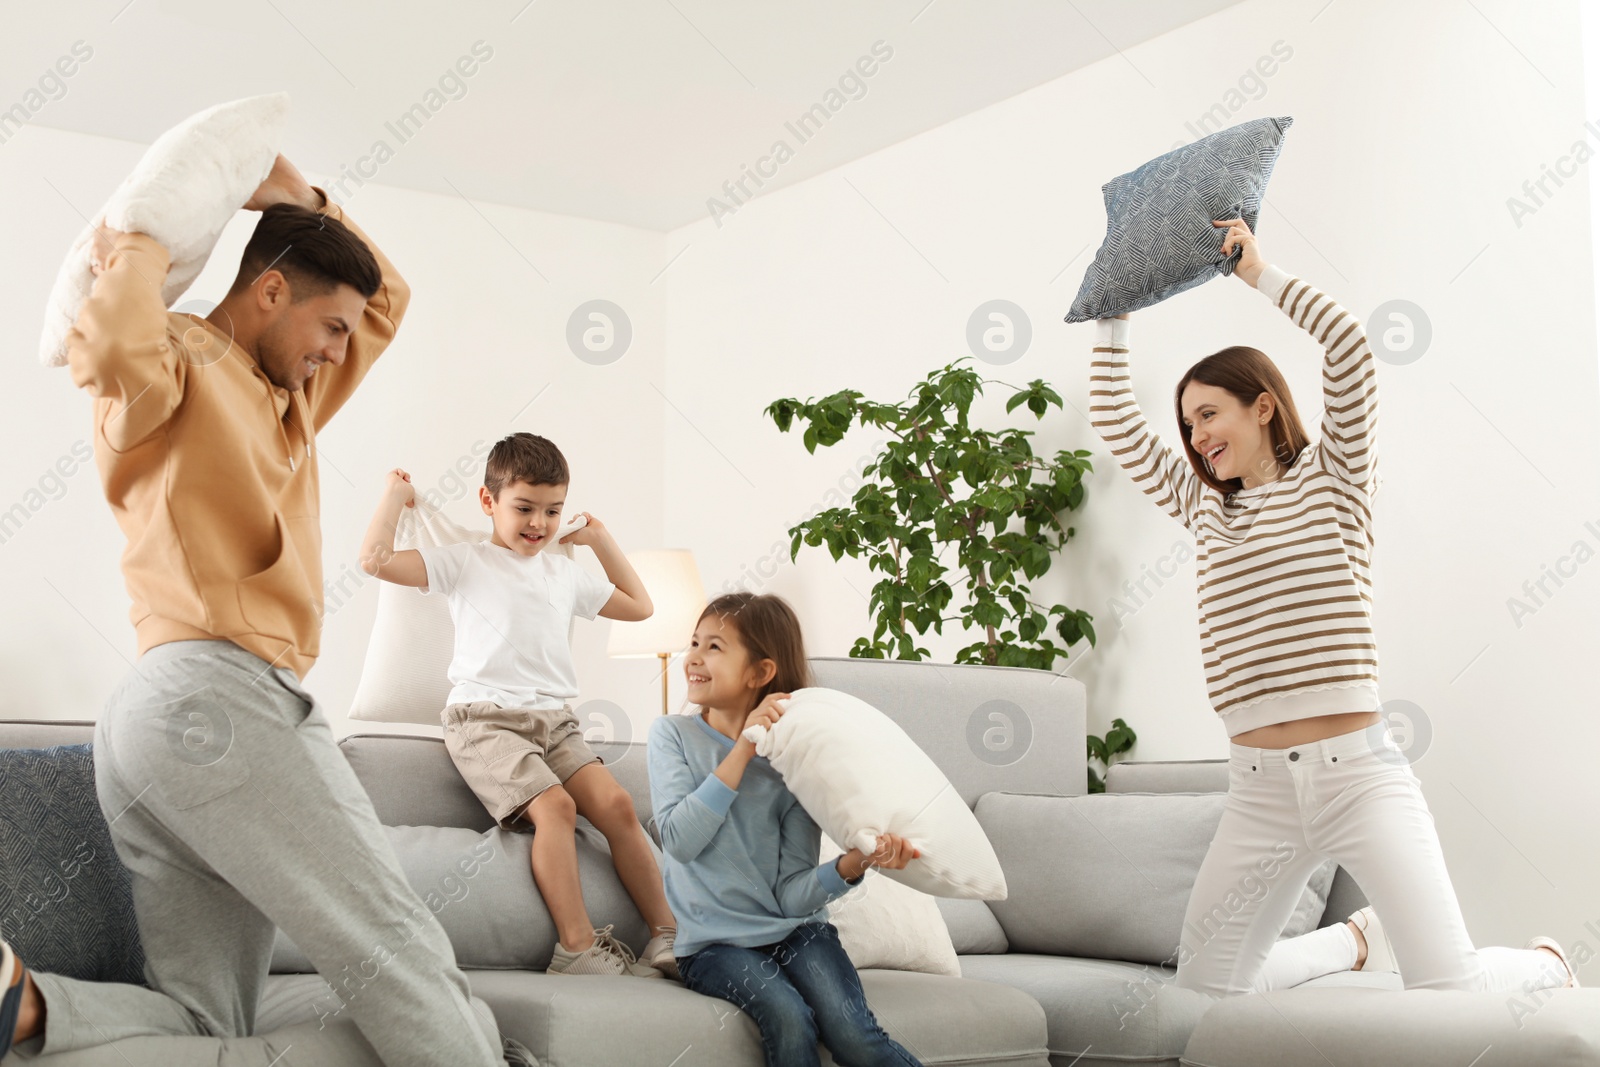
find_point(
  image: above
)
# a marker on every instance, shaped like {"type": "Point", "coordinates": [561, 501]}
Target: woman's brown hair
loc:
{"type": "Point", "coordinates": [769, 629]}
{"type": "Point", "coordinates": [1245, 373]}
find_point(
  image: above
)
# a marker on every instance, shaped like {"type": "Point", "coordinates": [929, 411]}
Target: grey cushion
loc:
{"type": "Point", "coordinates": [590, 1020]}
{"type": "Point", "coordinates": [66, 901]}
{"type": "Point", "coordinates": [1159, 238]}
{"type": "Point", "coordinates": [1100, 1012]}
{"type": "Point", "coordinates": [987, 728]}
{"type": "Point", "coordinates": [412, 782]}
{"type": "Point", "coordinates": [973, 927]}
{"type": "Point", "coordinates": [1106, 876]}
{"type": "Point", "coordinates": [1308, 1026]}
{"type": "Point", "coordinates": [480, 887]}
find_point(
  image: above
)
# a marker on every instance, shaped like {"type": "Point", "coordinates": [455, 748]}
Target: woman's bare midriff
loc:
{"type": "Point", "coordinates": [1304, 731]}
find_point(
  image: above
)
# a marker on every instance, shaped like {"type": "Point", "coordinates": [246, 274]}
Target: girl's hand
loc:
{"type": "Point", "coordinates": [1240, 238]}
{"type": "Point", "coordinates": [398, 486]}
{"type": "Point", "coordinates": [893, 851]}
{"type": "Point", "coordinates": [767, 713]}
{"type": "Point", "coordinates": [588, 535]}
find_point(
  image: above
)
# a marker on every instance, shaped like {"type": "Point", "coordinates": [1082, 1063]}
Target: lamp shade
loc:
{"type": "Point", "coordinates": [673, 582]}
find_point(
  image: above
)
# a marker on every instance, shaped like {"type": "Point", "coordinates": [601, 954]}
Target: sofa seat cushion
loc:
{"type": "Point", "coordinates": [1100, 1012]}
{"type": "Point", "coordinates": [939, 1020]}
{"type": "Point", "coordinates": [1416, 1027]}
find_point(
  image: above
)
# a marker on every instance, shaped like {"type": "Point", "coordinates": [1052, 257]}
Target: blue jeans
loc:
{"type": "Point", "coordinates": [797, 990]}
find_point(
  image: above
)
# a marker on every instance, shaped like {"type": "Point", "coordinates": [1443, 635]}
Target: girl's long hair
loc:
{"type": "Point", "coordinates": [769, 629]}
{"type": "Point", "coordinates": [1245, 373]}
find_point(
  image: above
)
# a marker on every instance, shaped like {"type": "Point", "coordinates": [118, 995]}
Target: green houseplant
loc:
{"type": "Point", "coordinates": [941, 482]}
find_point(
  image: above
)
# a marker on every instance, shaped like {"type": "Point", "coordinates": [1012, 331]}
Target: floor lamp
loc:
{"type": "Point", "coordinates": [673, 582]}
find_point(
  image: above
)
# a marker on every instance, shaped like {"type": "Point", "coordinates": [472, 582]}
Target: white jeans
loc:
{"type": "Point", "coordinates": [1352, 797]}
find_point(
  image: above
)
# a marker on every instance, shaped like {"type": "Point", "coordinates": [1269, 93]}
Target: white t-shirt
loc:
{"type": "Point", "coordinates": [512, 615]}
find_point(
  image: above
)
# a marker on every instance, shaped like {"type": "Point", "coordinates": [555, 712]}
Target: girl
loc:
{"type": "Point", "coordinates": [1285, 537]}
{"type": "Point", "coordinates": [741, 854]}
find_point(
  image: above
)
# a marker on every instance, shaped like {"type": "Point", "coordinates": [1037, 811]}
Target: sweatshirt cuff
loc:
{"type": "Point", "coordinates": [1111, 333]}
{"type": "Point", "coordinates": [1271, 282]}
{"type": "Point", "coordinates": [715, 794]}
{"type": "Point", "coordinates": [832, 881]}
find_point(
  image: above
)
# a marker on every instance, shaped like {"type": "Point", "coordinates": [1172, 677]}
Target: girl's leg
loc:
{"type": "Point", "coordinates": [1247, 887]}
{"type": "Point", "coordinates": [1371, 815]}
{"type": "Point", "coordinates": [817, 964]}
{"type": "Point", "coordinates": [751, 980]}
{"type": "Point", "coordinates": [1311, 955]}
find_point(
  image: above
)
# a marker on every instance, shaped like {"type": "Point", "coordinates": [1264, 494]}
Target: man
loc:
{"type": "Point", "coordinates": [227, 798]}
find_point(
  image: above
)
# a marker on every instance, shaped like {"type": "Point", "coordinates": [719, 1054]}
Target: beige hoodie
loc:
{"type": "Point", "coordinates": [209, 468]}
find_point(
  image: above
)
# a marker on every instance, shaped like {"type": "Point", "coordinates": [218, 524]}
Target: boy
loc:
{"type": "Point", "coordinates": [508, 723]}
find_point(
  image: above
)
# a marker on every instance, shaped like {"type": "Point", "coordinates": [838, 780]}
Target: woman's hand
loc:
{"type": "Point", "coordinates": [767, 713]}
{"type": "Point", "coordinates": [398, 486]}
{"type": "Point", "coordinates": [1240, 238]}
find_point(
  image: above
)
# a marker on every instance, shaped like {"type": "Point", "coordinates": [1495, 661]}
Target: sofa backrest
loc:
{"type": "Point", "coordinates": [1211, 776]}
{"type": "Point", "coordinates": [987, 728]}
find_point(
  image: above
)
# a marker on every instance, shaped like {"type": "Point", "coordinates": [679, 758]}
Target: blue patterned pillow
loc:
{"type": "Point", "coordinates": [1159, 237]}
{"type": "Point", "coordinates": [66, 902]}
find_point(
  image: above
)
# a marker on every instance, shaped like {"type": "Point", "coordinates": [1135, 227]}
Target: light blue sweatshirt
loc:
{"type": "Point", "coordinates": [741, 865]}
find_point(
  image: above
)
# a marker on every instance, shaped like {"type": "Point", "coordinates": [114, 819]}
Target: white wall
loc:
{"type": "Point", "coordinates": [1414, 123]}
{"type": "Point", "coordinates": [484, 337]}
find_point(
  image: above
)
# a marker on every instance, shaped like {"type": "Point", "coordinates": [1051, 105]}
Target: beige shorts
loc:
{"type": "Point", "coordinates": [508, 756]}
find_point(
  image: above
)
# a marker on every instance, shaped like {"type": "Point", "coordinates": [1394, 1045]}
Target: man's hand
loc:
{"type": "Point", "coordinates": [1239, 237]}
{"type": "Point", "coordinates": [105, 239]}
{"type": "Point", "coordinates": [285, 185]}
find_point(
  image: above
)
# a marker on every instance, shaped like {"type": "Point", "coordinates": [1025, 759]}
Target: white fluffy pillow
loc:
{"type": "Point", "coordinates": [859, 775]}
{"type": "Point", "coordinates": [884, 924]}
{"type": "Point", "coordinates": [405, 677]}
{"type": "Point", "coordinates": [182, 192]}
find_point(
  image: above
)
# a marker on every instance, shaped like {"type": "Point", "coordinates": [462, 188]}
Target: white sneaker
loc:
{"type": "Point", "coordinates": [659, 953]}
{"type": "Point", "coordinates": [1380, 953]}
{"type": "Point", "coordinates": [1553, 946]}
{"type": "Point", "coordinates": [606, 956]}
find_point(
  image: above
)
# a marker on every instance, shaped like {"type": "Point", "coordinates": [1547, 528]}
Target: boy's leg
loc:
{"type": "Point", "coordinates": [601, 800]}
{"type": "Point", "coordinates": [817, 965]}
{"type": "Point", "coordinates": [500, 753]}
{"type": "Point", "coordinates": [225, 793]}
{"type": "Point", "coordinates": [751, 980]}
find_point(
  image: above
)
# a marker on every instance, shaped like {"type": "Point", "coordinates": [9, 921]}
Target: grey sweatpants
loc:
{"type": "Point", "coordinates": [235, 812]}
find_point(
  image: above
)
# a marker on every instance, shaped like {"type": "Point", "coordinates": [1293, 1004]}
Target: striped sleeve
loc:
{"type": "Point", "coordinates": [1158, 470]}
{"type": "Point", "coordinates": [1349, 382]}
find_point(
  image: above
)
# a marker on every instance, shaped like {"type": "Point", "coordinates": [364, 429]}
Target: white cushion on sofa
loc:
{"type": "Point", "coordinates": [405, 676]}
{"type": "Point", "coordinates": [182, 192]}
{"type": "Point", "coordinates": [890, 926]}
{"type": "Point", "coordinates": [858, 774]}
{"type": "Point", "coordinates": [480, 887]}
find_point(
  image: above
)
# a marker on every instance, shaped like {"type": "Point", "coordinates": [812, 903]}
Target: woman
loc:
{"type": "Point", "coordinates": [1284, 533]}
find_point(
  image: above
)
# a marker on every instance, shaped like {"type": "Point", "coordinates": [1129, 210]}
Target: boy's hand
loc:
{"type": "Point", "coordinates": [398, 486]}
{"type": "Point", "coordinates": [766, 713]}
{"type": "Point", "coordinates": [1239, 237]}
{"type": "Point", "coordinates": [284, 185]}
{"type": "Point", "coordinates": [588, 535]}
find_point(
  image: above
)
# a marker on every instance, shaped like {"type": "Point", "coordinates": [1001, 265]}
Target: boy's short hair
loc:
{"type": "Point", "coordinates": [524, 457]}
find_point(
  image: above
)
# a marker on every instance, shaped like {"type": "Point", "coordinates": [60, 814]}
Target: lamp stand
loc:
{"type": "Point", "coordinates": [666, 658]}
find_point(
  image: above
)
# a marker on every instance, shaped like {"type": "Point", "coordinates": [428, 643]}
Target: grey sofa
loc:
{"type": "Point", "coordinates": [998, 732]}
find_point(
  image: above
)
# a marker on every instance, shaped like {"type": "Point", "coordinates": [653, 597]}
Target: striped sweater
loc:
{"type": "Point", "coordinates": [1285, 585]}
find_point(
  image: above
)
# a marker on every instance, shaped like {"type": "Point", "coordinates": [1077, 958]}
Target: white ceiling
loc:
{"type": "Point", "coordinates": [632, 111]}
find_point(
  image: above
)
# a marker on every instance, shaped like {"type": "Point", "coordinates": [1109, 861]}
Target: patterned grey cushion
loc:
{"type": "Point", "coordinates": [66, 903]}
{"type": "Point", "coordinates": [1159, 237]}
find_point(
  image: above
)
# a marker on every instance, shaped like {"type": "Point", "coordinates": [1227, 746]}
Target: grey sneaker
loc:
{"type": "Point", "coordinates": [606, 956]}
{"type": "Point", "coordinates": [658, 952]}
